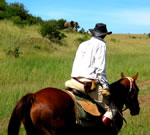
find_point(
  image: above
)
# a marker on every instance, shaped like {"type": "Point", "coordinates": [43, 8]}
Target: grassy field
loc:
{"type": "Point", "coordinates": [42, 63]}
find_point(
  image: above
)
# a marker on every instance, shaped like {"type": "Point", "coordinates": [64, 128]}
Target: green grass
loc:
{"type": "Point", "coordinates": [137, 125]}
{"type": "Point", "coordinates": [45, 64]}
{"type": "Point", "coordinates": [128, 56]}
{"type": "Point", "coordinates": [140, 124]}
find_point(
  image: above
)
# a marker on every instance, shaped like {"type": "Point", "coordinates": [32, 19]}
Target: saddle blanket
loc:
{"type": "Point", "coordinates": [89, 107]}
{"type": "Point", "coordinates": [88, 114]}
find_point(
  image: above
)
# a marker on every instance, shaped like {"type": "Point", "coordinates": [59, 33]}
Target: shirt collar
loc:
{"type": "Point", "coordinates": [99, 38]}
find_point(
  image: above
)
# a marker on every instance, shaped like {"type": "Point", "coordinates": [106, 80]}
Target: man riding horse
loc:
{"type": "Point", "coordinates": [88, 71]}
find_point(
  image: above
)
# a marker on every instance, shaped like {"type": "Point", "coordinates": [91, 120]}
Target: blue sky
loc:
{"type": "Point", "coordinates": [121, 16]}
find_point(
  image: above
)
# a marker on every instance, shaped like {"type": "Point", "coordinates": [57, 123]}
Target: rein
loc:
{"type": "Point", "coordinates": [120, 115]}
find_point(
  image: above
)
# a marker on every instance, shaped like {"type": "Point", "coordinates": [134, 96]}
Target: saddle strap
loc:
{"type": "Point", "coordinates": [78, 80]}
{"type": "Point", "coordinates": [88, 85]}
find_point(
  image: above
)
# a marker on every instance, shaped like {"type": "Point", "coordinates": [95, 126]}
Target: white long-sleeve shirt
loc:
{"type": "Point", "coordinates": [90, 61]}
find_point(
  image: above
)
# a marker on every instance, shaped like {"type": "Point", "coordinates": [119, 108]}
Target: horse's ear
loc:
{"type": "Point", "coordinates": [122, 75]}
{"type": "Point", "coordinates": [135, 77]}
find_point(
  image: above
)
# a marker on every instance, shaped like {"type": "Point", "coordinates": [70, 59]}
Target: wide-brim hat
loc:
{"type": "Point", "coordinates": [100, 30]}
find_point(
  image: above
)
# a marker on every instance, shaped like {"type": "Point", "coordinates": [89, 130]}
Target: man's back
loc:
{"type": "Point", "coordinates": [87, 58]}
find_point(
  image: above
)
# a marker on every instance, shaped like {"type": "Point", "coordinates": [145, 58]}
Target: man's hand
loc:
{"type": "Point", "coordinates": [106, 92]}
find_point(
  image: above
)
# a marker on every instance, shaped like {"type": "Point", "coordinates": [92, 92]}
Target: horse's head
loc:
{"type": "Point", "coordinates": [131, 100]}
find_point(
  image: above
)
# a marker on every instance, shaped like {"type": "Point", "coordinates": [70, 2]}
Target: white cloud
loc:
{"type": "Point", "coordinates": [134, 17]}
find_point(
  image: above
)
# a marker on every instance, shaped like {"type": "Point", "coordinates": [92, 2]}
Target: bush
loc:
{"type": "Point", "coordinates": [82, 31]}
{"type": "Point", "coordinates": [148, 35]}
{"type": "Point", "coordinates": [17, 20]}
{"type": "Point", "coordinates": [33, 20]}
{"type": "Point", "coordinates": [51, 30]}
{"type": "Point", "coordinates": [3, 5]}
{"type": "Point", "coordinates": [15, 52]}
{"type": "Point", "coordinates": [17, 9]}
{"type": "Point", "coordinates": [60, 24]}
{"type": "Point", "coordinates": [113, 40]}
{"type": "Point", "coordinates": [2, 15]}
{"type": "Point", "coordinates": [17, 13]}
{"type": "Point", "coordinates": [131, 36]}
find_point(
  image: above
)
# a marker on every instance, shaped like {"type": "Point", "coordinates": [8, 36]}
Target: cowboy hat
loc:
{"type": "Point", "coordinates": [100, 30]}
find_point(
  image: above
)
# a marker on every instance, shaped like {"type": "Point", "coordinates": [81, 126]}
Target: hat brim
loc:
{"type": "Point", "coordinates": [95, 33]}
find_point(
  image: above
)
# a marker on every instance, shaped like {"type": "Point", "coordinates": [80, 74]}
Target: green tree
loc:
{"type": "Point", "coordinates": [148, 35]}
{"type": "Point", "coordinates": [51, 30]}
{"type": "Point", "coordinates": [3, 7]}
{"type": "Point", "coordinates": [17, 9]}
{"type": "Point", "coordinates": [33, 20]}
{"type": "Point", "coordinates": [60, 23]}
{"type": "Point", "coordinates": [82, 31]}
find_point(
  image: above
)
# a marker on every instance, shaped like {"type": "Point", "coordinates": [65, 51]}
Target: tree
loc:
{"type": "Point", "coordinates": [17, 9]}
{"type": "Point", "coordinates": [60, 23]}
{"type": "Point", "coordinates": [51, 30]}
{"type": "Point", "coordinates": [3, 7]}
{"type": "Point", "coordinates": [82, 31]}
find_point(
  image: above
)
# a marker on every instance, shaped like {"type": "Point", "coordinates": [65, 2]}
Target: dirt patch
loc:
{"type": "Point", "coordinates": [144, 99]}
{"type": "Point", "coordinates": [144, 84]}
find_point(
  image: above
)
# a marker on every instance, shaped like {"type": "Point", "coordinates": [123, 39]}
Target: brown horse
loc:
{"type": "Point", "coordinates": [51, 111]}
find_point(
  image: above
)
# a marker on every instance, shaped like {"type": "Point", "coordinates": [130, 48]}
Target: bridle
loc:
{"type": "Point", "coordinates": [132, 86]}
{"type": "Point", "coordinates": [132, 89]}
{"type": "Point", "coordinates": [131, 99]}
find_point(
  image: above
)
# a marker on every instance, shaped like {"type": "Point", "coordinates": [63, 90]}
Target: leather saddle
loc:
{"type": "Point", "coordinates": [87, 103]}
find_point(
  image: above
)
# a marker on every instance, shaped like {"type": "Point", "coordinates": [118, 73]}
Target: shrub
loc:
{"type": "Point", "coordinates": [15, 52]}
{"type": "Point", "coordinates": [82, 31]}
{"type": "Point", "coordinates": [60, 24]}
{"type": "Point", "coordinates": [113, 40]}
{"type": "Point", "coordinates": [3, 5]}
{"type": "Point", "coordinates": [33, 20]}
{"type": "Point", "coordinates": [131, 36]}
{"type": "Point", "coordinates": [17, 20]}
{"type": "Point", "coordinates": [50, 29]}
{"type": "Point", "coordinates": [17, 13]}
{"type": "Point", "coordinates": [17, 9]}
{"type": "Point", "coordinates": [2, 15]}
{"type": "Point", "coordinates": [148, 35]}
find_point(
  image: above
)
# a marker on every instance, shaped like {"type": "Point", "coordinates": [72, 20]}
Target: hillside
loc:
{"type": "Point", "coordinates": [29, 62]}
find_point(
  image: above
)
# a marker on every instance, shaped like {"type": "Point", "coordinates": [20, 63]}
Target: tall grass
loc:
{"type": "Point", "coordinates": [129, 56]}
{"type": "Point", "coordinates": [45, 64]}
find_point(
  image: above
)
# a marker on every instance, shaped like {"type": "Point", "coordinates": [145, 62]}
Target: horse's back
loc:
{"type": "Point", "coordinates": [53, 109]}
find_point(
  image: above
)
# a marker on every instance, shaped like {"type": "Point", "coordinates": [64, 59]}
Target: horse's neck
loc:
{"type": "Point", "coordinates": [119, 105]}
{"type": "Point", "coordinates": [119, 94]}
